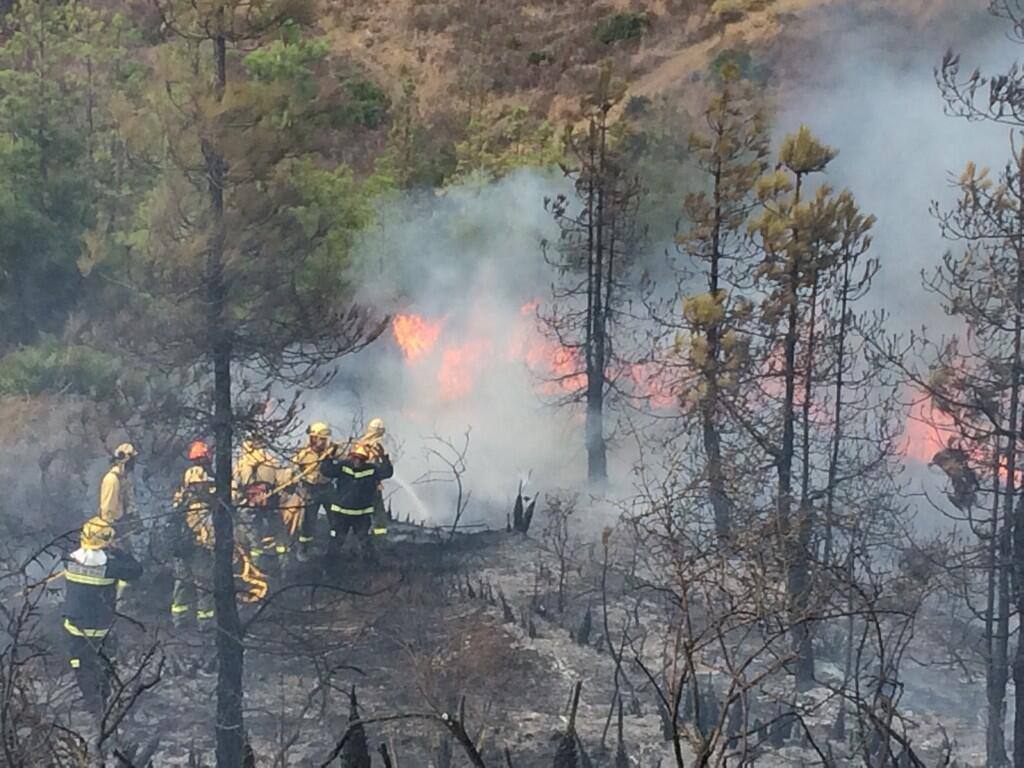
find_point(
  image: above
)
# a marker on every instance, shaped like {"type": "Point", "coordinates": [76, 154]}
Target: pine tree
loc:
{"type": "Point", "coordinates": [978, 384]}
{"type": "Point", "coordinates": [804, 243]}
{"type": "Point", "coordinates": [236, 263]}
{"type": "Point", "coordinates": [63, 66]}
{"type": "Point", "coordinates": [732, 153]}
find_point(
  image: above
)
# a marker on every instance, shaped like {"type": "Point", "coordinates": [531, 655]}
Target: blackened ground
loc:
{"type": "Point", "coordinates": [437, 620]}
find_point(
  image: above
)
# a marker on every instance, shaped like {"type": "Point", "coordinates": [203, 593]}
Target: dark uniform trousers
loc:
{"type": "Point", "coordinates": [315, 496]}
{"type": "Point", "coordinates": [90, 607]}
{"type": "Point", "coordinates": [358, 525]}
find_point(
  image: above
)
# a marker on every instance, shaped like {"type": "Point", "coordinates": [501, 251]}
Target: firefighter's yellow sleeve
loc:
{"type": "Point", "coordinates": [110, 498]}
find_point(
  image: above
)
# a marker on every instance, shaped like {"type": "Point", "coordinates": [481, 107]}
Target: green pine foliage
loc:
{"type": "Point", "coordinates": [50, 366]}
{"type": "Point", "coordinates": [621, 27]}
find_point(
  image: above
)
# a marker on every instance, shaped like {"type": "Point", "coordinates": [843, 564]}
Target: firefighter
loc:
{"type": "Point", "coordinates": [117, 493]}
{"type": "Point", "coordinates": [117, 501]}
{"type": "Point", "coordinates": [373, 439]}
{"type": "Point", "coordinates": [313, 489]}
{"type": "Point", "coordinates": [257, 481]}
{"type": "Point", "coordinates": [193, 540]}
{"type": "Point", "coordinates": [91, 573]}
{"type": "Point", "coordinates": [357, 478]}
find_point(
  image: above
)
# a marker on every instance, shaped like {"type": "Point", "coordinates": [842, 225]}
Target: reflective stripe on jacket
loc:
{"type": "Point", "coordinates": [90, 599]}
{"type": "Point", "coordinates": [196, 495]}
{"type": "Point", "coordinates": [356, 484]}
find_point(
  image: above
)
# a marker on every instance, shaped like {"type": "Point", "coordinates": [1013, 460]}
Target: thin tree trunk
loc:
{"type": "Point", "coordinates": [837, 424]}
{"type": "Point", "coordinates": [796, 578]}
{"type": "Point", "coordinates": [709, 412]}
{"type": "Point", "coordinates": [1013, 545]}
{"type": "Point", "coordinates": [229, 727]}
{"type": "Point", "coordinates": [800, 577]}
{"type": "Point", "coordinates": [597, 457]}
{"type": "Point", "coordinates": [1018, 660]}
{"type": "Point", "coordinates": [998, 622]}
{"type": "Point", "coordinates": [996, 640]}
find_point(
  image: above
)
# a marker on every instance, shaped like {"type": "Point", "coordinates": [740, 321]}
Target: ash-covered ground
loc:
{"type": "Point", "coordinates": [476, 616]}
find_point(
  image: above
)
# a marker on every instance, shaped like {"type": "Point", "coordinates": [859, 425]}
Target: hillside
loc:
{"type": "Point", "coordinates": [545, 54]}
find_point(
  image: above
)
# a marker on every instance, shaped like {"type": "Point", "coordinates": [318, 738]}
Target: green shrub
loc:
{"type": "Point", "coordinates": [367, 103]}
{"type": "Point", "coordinates": [53, 367]}
{"type": "Point", "coordinates": [637, 106]}
{"type": "Point", "coordinates": [536, 58]}
{"type": "Point", "coordinates": [743, 63]}
{"type": "Point", "coordinates": [622, 26]}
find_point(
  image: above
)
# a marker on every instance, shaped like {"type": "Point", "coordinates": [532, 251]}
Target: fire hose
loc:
{"type": "Point", "coordinates": [253, 578]}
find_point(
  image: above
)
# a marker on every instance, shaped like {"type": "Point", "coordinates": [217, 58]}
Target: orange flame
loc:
{"type": "Point", "coordinates": [927, 432]}
{"type": "Point", "coordinates": [415, 335]}
{"type": "Point", "coordinates": [460, 367]}
{"type": "Point", "coordinates": [560, 369]}
{"type": "Point", "coordinates": [651, 383]}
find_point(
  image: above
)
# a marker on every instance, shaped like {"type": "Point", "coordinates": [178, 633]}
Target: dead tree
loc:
{"type": "Point", "coordinates": [451, 457]}
{"type": "Point", "coordinates": [599, 233]}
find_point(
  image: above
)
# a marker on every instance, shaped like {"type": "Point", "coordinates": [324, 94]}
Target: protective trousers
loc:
{"type": "Point", "coordinates": [269, 539]}
{"type": "Point", "coordinates": [193, 587]}
{"type": "Point", "coordinates": [92, 660]}
{"type": "Point", "coordinates": [380, 513]}
{"type": "Point", "coordinates": [315, 497]}
{"type": "Point", "coordinates": [359, 525]}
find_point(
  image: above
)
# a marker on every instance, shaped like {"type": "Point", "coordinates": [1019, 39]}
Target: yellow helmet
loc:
{"type": "Point", "coordinates": [375, 428]}
{"type": "Point", "coordinates": [97, 533]}
{"type": "Point", "coordinates": [125, 451]}
{"type": "Point", "coordinates": [319, 429]}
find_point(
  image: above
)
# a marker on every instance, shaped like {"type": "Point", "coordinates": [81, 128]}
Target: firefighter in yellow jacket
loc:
{"type": "Point", "coordinates": [312, 490]}
{"type": "Point", "coordinates": [193, 541]}
{"type": "Point", "coordinates": [258, 481]}
{"type": "Point", "coordinates": [117, 493]}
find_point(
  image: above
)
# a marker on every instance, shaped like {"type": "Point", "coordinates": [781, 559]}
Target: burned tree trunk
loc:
{"type": "Point", "coordinates": [598, 227]}
{"type": "Point", "coordinates": [797, 578]}
{"type": "Point", "coordinates": [356, 753]}
{"type": "Point", "coordinates": [997, 690]}
{"type": "Point", "coordinates": [230, 651]}
{"type": "Point", "coordinates": [596, 340]}
{"type": "Point", "coordinates": [566, 756]}
{"type": "Point", "coordinates": [710, 432]}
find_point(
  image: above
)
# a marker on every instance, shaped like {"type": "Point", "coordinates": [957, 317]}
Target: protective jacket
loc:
{"type": "Point", "coordinates": [257, 475]}
{"type": "Point", "coordinates": [256, 465]}
{"type": "Point", "coordinates": [307, 462]}
{"type": "Point", "coordinates": [90, 601]}
{"type": "Point", "coordinates": [117, 495]}
{"type": "Point", "coordinates": [195, 499]}
{"type": "Point", "coordinates": [356, 484]}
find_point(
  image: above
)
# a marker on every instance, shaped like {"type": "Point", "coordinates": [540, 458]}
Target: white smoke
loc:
{"type": "Point", "coordinates": [875, 98]}
{"type": "Point", "coordinates": [471, 260]}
